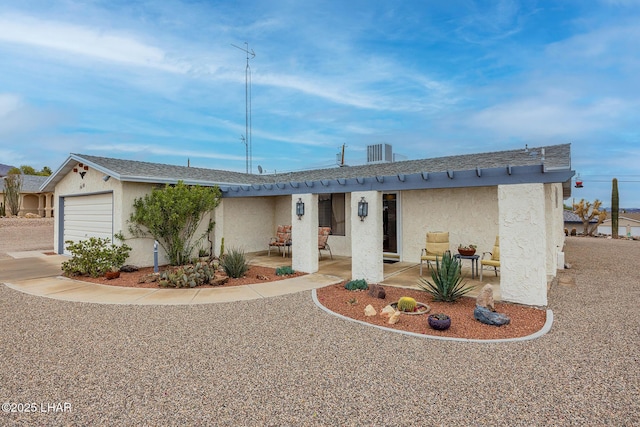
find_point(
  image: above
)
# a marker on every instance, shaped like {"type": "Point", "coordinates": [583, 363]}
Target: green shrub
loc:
{"type": "Point", "coordinates": [3, 211]}
{"type": "Point", "coordinates": [407, 304]}
{"type": "Point", "coordinates": [447, 280]}
{"type": "Point", "coordinates": [284, 271]}
{"type": "Point", "coordinates": [234, 263]}
{"type": "Point", "coordinates": [94, 257]}
{"type": "Point", "coordinates": [188, 276]}
{"type": "Point", "coordinates": [172, 215]}
{"type": "Point", "coordinates": [356, 284]}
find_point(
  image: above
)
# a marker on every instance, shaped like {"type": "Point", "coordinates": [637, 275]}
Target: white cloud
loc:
{"type": "Point", "coordinates": [105, 45]}
{"type": "Point", "coordinates": [9, 103]}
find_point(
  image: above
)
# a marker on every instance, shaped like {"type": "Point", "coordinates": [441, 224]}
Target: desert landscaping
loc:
{"type": "Point", "coordinates": [282, 360]}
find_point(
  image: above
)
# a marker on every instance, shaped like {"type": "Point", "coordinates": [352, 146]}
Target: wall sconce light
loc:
{"type": "Point", "coordinates": [363, 209]}
{"type": "Point", "coordinates": [299, 208]}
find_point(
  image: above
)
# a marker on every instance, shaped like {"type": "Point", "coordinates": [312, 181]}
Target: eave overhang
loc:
{"type": "Point", "coordinates": [417, 181]}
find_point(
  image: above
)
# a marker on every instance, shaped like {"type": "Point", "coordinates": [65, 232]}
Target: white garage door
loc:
{"type": "Point", "coordinates": [88, 216]}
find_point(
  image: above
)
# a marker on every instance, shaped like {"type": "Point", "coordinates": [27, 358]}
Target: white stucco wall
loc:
{"type": "Point", "coordinates": [73, 184]}
{"type": "Point", "coordinates": [341, 245]}
{"type": "Point", "coordinates": [470, 215]}
{"type": "Point", "coordinates": [554, 226]}
{"type": "Point", "coordinates": [304, 234]}
{"type": "Point", "coordinates": [366, 242]}
{"type": "Point", "coordinates": [523, 243]}
{"type": "Point", "coordinates": [247, 223]}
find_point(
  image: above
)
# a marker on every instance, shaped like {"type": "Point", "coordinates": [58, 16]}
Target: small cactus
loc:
{"type": "Point", "coordinates": [358, 284]}
{"type": "Point", "coordinates": [406, 304]}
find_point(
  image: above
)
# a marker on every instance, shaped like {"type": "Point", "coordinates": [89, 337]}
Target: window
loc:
{"type": "Point", "coordinates": [331, 212]}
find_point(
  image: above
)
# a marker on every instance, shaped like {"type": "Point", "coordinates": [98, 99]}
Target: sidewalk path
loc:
{"type": "Point", "coordinates": [40, 275]}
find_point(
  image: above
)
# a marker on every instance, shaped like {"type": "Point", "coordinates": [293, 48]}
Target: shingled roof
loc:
{"type": "Point", "coordinates": [30, 183]}
{"type": "Point", "coordinates": [513, 166]}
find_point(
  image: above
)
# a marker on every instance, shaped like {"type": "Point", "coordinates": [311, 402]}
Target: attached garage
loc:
{"type": "Point", "coordinates": [87, 216]}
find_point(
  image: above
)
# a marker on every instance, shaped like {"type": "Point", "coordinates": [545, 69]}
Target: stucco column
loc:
{"type": "Point", "coordinates": [48, 209]}
{"type": "Point", "coordinates": [304, 234]}
{"type": "Point", "coordinates": [366, 238]}
{"type": "Point", "coordinates": [523, 243]}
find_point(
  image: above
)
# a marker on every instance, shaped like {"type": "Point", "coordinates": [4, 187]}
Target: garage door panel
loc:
{"type": "Point", "coordinates": [88, 216]}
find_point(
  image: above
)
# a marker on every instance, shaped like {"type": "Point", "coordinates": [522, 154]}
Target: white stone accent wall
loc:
{"type": "Point", "coordinates": [366, 242]}
{"type": "Point", "coordinates": [304, 234]}
{"type": "Point", "coordinates": [523, 243]}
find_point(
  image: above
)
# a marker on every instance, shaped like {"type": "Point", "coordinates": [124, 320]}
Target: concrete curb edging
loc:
{"type": "Point", "coordinates": [545, 328]}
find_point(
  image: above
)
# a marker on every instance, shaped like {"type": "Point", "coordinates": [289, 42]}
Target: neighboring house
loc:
{"type": "Point", "coordinates": [572, 220]}
{"type": "Point", "coordinates": [628, 225]}
{"type": "Point", "coordinates": [32, 200]}
{"type": "Point", "coordinates": [516, 194]}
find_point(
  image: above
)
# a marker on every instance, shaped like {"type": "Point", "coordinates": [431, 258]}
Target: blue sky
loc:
{"type": "Point", "coordinates": [160, 81]}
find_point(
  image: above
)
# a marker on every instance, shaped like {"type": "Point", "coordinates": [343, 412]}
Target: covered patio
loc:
{"type": "Point", "coordinates": [399, 274]}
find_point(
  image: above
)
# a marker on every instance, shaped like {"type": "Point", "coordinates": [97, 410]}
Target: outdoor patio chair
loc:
{"type": "Point", "coordinates": [323, 236]}
{"type": "Point", "coordinates": [437, 244]}
{"type": "Point", "coordinates": [282, 240]}
{"type": "Point", "coordinates": [493, 260]}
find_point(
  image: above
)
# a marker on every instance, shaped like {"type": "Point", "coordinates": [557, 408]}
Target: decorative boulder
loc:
{"type": "Point", "coordinates": [369, 310]}
{"type": "Point", "coordinates": [488, 317]}
{"type": "Point", "coordinates": [128, 268]}
{"type": "Point", "coordinates": [377, 291]}
{"type": "Point", "coordinates": [395, 317]}
{"type": "Point", "coordinates": [388, 311]}
{"type": "Point", "coordinates": [149, 278]}
{"type": "Point", "coordinates": [485, 298]}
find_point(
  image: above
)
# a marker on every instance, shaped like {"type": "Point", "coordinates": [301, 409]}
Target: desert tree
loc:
{"type": "Point", "coordinates": [12, 188]}
{"type": "Point", "coordinates": [172, 215]}
{"type": "Point", "coordinates": [587, 212]}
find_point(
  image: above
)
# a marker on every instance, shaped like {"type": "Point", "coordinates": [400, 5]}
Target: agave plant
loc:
{"type": "Point", "coordinates": [447, 280]}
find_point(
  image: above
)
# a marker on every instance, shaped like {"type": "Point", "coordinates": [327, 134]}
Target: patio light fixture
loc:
{"type": "Point", "coordinates": [299, 208]}
{"type": "Point", "coordinates": [363, 209]}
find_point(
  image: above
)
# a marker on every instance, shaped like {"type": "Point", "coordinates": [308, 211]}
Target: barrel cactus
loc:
{"type": "Point", "coordinates": [406, 304]}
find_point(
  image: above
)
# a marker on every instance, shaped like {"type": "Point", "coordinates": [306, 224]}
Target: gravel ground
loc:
{"type": "Point", "coordinates": [25, 234]}
{"type": "Point", "coordinates": [283, 361]}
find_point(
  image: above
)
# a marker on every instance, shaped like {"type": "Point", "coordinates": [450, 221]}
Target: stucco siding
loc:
{"type": "Point", "coordinates": [470, 215]}
{"type": "Point", "coordinates": [73, 184]}
{"type": "Point", "coordinates": [523, 243]}
{"type": "Point", "coordinates": [249, 223]}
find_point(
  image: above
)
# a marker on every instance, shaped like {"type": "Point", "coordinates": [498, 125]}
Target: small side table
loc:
{"type": "Point", "coordinates": [474, 262]}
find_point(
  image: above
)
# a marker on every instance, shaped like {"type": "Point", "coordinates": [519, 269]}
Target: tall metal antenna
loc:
{"type": "Point", "coordinates": [247, 100]}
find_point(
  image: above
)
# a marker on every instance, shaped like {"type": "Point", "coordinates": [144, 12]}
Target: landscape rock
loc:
{"type": "Point", "coordinates": [377, 291]}
{"type": "Point", "coordinates": [485, 298]}
{"type": "Point", "coordinates": [148, 278]}
{"type": "Point", "coordinates": [129, 268]}
{"type": "Point", "coordinates": [219, 280]}
{"type": "Point", "coordinates": [370, 311]}
{"type": "Point", "coordinates": [388, 311]}
{"type": "Point", "coordinates": [488, 317]}
{"type": "Point", "coordinates": [395, 317]}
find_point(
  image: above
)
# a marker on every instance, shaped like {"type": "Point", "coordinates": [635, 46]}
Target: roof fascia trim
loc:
{"type": "Point", "coordinates": [448, 179]}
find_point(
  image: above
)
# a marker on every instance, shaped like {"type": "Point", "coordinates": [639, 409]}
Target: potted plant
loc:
{"type": "Point", "coordinates": [467, 250]}
{"type": "Point", "coordinates": [439, 321]}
